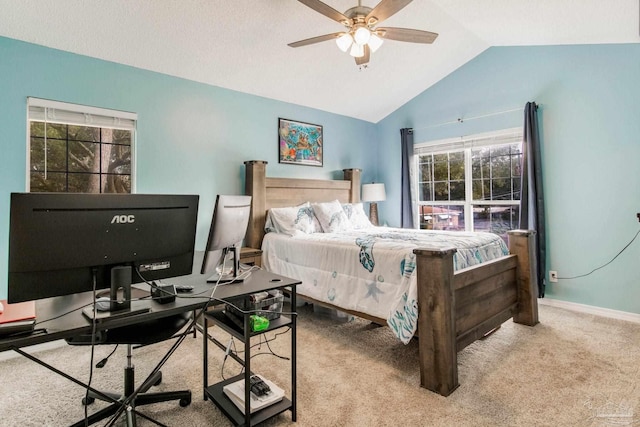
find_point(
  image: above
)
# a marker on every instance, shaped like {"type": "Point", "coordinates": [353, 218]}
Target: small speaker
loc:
{"type": "Point", "coordinates": [120, 294]}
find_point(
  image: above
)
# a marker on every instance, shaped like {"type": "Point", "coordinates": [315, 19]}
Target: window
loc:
{"type": "Point", "coordinates": [75, 148]}
{"type": "Point", "coordinates": [471, 183]}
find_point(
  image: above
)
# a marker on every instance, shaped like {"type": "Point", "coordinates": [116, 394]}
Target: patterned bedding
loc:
{"type": "Point", "coordinates": [371, 271]}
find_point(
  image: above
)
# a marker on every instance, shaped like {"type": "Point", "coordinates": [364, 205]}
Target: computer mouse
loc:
{"type": "Point", "coordinates": [103, 304]}
{"type": "Point", "coordinates": [1, 308]}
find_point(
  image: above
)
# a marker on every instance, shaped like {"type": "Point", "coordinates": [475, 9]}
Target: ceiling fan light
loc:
{"type": "Point", "coordinates": [344, 42]}
{"type": "Point", "coordinates": [374, 42]}
{"type": "Point", "coordinates": [357, 50]}
{"type": "Point", "coordinates": [362, 35]}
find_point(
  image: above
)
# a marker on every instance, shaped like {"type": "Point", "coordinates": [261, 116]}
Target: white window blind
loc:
{"type": "Point", "coordinates": [505, 136]}
{"type": "Point", "coordinates": [45, 110]}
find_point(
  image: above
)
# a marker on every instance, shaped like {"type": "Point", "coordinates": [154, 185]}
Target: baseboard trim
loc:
{"type": "Point", "coordinates": [590, 309]}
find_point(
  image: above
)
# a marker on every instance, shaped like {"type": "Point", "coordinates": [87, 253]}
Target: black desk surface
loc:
{"type": "Point", "coordinates": [74, 323]}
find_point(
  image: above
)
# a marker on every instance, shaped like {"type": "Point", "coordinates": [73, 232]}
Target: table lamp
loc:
{"type": "Point", "coordinates": [373, 193]}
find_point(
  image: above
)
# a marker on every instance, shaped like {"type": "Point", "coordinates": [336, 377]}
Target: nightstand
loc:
{"type": "Point", "coordinates": [251, 256]}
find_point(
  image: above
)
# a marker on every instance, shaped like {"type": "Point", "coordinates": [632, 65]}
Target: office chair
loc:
{"type": "Point", "coordinates": [142, 334]}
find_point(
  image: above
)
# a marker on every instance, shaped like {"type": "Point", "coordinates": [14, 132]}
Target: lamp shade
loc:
{"type": "Point", "coordinates": [374, 42]}
{"type": "Point", "coordinates": [373, 192]}
{"type": "Point", "coordinates": [344, 42]}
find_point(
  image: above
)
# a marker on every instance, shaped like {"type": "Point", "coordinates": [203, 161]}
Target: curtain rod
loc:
{"type": "Point", "coordinates": [461, 120]}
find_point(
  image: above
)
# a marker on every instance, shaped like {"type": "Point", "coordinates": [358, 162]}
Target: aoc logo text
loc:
{"type": "Point", "coordinates": [123, 219]}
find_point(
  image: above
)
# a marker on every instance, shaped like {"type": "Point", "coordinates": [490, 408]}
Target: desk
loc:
{"type": "Point", "coordinates": [74, 323]}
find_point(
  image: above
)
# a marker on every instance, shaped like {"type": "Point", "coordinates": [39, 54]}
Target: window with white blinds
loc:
{"type": "Point", "coordinates": [470, 183]}
{"type": "Point", "coordinates": [77, 148]}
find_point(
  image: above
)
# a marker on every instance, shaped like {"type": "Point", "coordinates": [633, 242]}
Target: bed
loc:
{"type": "Point", "coordinates": [454, 307]}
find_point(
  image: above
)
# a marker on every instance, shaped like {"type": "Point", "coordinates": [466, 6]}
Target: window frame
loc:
{"type": "Point", "coordinates": [466, 145]}
{"type": "Point", "coordinates": [49, 111]}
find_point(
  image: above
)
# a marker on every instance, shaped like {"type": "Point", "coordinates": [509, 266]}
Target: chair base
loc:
{"type": "Point", "coordinates": [142, 398]}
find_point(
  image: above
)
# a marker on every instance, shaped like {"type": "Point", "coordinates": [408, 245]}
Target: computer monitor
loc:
{"type": "Point", "coordinates": [59, 243]}
{"type": "Point", "coordinates": [228, 228]}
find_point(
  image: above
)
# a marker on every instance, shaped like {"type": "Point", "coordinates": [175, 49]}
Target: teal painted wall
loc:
{"type": "Point", "coordinates": [192, 138]}
{"type": "Point", "coordinates": [590, 134]}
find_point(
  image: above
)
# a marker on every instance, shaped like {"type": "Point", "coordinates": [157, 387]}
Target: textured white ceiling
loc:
{"type": "Point", "coordinates": [242, 44]}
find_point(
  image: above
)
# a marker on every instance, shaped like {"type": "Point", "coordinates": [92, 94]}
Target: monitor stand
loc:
{"type": "Point", "coordinates": [120, 296]}
{"type": "Point", "coordinates": [222, 278]}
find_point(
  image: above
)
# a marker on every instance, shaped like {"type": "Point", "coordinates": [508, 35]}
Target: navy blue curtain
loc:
{"type": "Point", "coordinates": [532, 196]}
{"type": "Point", "coordinates": [406, 211]}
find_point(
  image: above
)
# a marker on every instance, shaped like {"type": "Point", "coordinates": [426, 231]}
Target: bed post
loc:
{"type": "Point", "coordinates": [353, 175]}
{"type": "Point", "coordinates": [255, 184]}
{"type": "Point", "coordinates": [436, 321]}
{"type": "Point", "coordinates": [521, 243]}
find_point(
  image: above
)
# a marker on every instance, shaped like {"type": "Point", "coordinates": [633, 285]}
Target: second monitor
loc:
{"type": "Point", "coordinates": [228, 228]}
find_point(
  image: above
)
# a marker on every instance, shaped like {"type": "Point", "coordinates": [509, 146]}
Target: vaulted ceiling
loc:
{"type": "Point", "coordinates": [242, 44]}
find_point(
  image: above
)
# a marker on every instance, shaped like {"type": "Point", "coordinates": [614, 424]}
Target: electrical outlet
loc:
{"type": "Point", "coordinates": [553, 276]}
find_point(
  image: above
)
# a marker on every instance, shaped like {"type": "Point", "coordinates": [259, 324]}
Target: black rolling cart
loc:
{"type": "Point", "coordinates": [259, 281]}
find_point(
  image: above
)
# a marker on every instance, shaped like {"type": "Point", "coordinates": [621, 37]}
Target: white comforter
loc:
{"type": "Point", "coordinates": [372, 271]}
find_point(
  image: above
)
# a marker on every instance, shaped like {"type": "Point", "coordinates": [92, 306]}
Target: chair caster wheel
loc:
{"type": "Point", "coordinates": [185, 402]}
{"type": "Point", "coordinates": [159, 381]}
{"type": "Point", "coordinates": [88, 400]}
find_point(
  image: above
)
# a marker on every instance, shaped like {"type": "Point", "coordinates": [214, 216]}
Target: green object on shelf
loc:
{"type": "Point", "coordinates": [259, 323]}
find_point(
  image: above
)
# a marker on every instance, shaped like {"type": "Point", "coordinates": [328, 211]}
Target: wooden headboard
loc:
{"type": "Point", "coordinates": [267, 193]}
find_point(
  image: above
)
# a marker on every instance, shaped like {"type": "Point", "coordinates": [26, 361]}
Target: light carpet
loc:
{"type": "Point", "coordinates": [572, 369]}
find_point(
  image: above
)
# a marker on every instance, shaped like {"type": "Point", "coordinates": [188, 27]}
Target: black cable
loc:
{"type": "Point", "coordinates": [604, 265]}
{"type": "Point", "coordinates": [94, 325]}
{"type": "Point", "coordinates": [104, 361]}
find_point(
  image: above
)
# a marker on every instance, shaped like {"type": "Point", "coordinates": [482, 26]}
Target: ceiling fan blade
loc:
{"type": "Point", "coordinates": [406, 35]}
{"type": "Point", "coordinates": [364, 58]}
{"type": "Point", "coordinates": [313, 40]}
{"type": "Point", "coordinates": [385, 9]}
{"type": "Point", "coordinates": [326, 10]}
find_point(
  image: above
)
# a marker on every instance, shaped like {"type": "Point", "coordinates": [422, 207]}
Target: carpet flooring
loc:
{"type": "Point", "coordinates": [572, 369]}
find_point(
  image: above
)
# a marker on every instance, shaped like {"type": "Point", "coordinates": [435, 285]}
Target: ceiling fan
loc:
{"type": "Point", "coordinates": [362, 36]}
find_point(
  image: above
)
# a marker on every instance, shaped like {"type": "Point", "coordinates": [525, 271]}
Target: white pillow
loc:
{"type": "Point", "coordinates": [357, 216]}
{"type": "Point", "coordinates": [331, 217]}
{"type": "Point", "coordinates": [292, 220]}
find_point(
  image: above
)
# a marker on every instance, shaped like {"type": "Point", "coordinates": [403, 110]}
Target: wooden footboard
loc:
{"type": "Point", "coordinates": [454, 309]}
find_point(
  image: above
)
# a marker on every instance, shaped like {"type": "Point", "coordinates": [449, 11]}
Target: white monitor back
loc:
{"type": "Point", "coordinates": [228, 228]}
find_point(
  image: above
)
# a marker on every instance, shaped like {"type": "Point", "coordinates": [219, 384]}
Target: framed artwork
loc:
{"type": "Point", "coordinates": [300, 143]}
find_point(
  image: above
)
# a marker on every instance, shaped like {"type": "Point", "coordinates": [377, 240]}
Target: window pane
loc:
{"type": "Point", "coordinates": [516, 188]}
{"type": "Point", "coordinates": [477, 189]}
{"type": "Point", "coordinates": [501, 189]}
{"type": "Point", "coordinates": [441, 190]}
{"type": "Point", "coordinates": [116, 159]}
{"type": "Point", "coordinates": [501, 167]}
{"type": "Point", "coordinates": [56, 158]}
{"type": "Point", "coordinates": [55, 182]}
{"type": "Point", "coordinates": [456, 165]}
{"type": "Point", "coordinates": [84, 183]}
{"type": "Point", "coordinates": [442, 217]}
{"type": "Point", "coordinates": [425, 192]}
{"type": "Point", "coordinates": [425, 171]}
{"type": "Point", "coordinates": [83, 156]}
{"type": "Point", "coordinates": [496, 219]}
{"type": "Point", "coordinates": [441, 170]}
{"type": "Point", "coordinates": [122, 137]}
{"type": "Point", "coordinates": [84, 133]}
{"type": "Point", "coordinates": [457, 190]}
{"type": "Point", "coordinates": [116, 184]}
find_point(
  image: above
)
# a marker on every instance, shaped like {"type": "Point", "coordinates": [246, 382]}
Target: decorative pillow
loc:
{"type": "Point", "coordinates": [292, 220]}
{"type": "Point", "coordinates": [331, 217]}
{"type": "Point", "coordinates": [355, 213]}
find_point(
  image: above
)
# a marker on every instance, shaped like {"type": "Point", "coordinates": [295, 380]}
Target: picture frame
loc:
{"type": "Point", "coordinates": [300, 143]}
